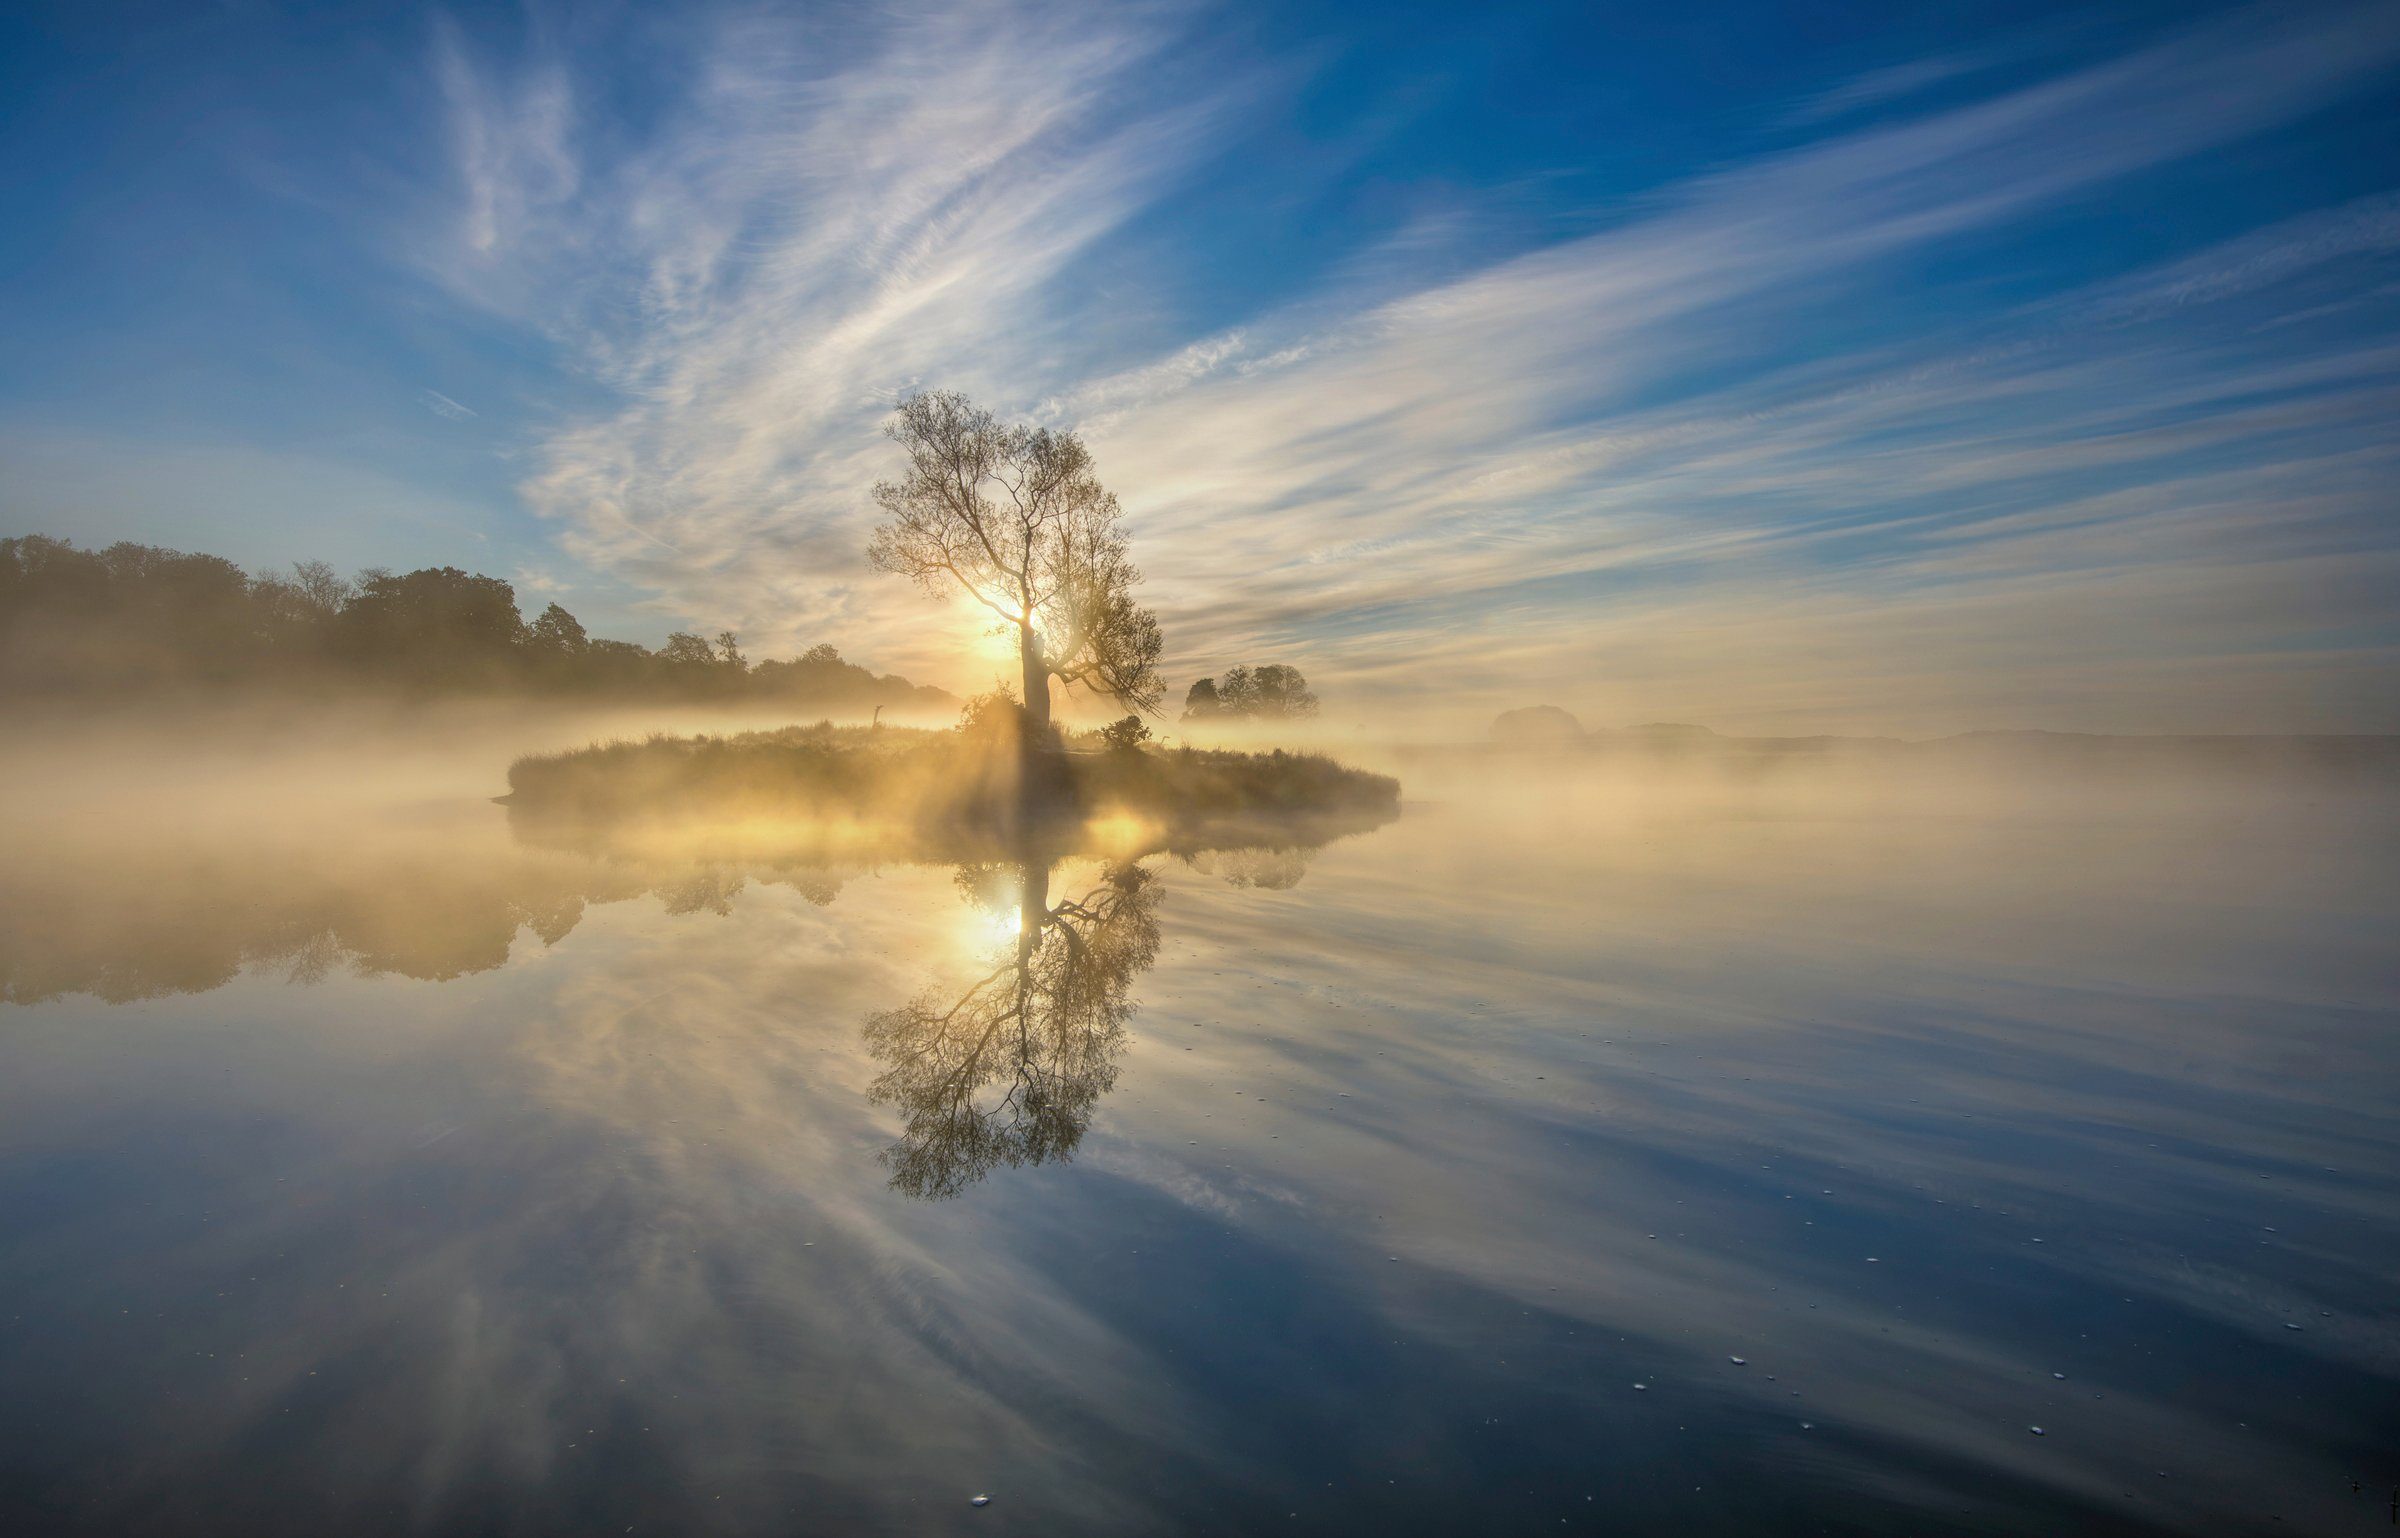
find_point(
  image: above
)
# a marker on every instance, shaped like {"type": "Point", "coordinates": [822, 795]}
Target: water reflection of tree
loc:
{"type": "Point", "coordinates": [1008, 1071]}
{"type": "Point", "coordinates": [1270, 868]}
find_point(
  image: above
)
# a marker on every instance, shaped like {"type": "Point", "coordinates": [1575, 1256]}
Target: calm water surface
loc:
{"type": "Point", "coordinates": [1574, 1154]}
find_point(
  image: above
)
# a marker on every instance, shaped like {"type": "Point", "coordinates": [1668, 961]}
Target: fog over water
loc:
{"type": "Point", "coordinates": [369, 1164]}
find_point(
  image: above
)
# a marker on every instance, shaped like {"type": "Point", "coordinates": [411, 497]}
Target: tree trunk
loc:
{"type": "Point", "coordinates": [1043, 789]}
{"type": "Point", "coordinates": [1037, 687]}
{"type": "Point", "coordinates": [1033, 908]}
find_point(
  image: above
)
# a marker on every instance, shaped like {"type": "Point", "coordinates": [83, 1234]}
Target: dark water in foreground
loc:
{"type": "Point", "coordinates": [408, 1178]}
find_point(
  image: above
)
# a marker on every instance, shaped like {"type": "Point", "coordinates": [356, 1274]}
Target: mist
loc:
{"type": "Point", "coordinates": [1926, 996]}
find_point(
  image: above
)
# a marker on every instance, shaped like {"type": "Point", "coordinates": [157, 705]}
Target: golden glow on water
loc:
{"type": "Point", "coordinates": [1119, 834]}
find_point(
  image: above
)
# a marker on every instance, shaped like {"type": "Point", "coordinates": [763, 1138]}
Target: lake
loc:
{"type": "Point", "coordinates": [1589, 1149]}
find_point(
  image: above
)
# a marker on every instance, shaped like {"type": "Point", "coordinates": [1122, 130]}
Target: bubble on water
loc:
{"type": "Point", "coordinates": [2037, 1431]}
{"type": "Point", "coordinates": [980, 1500]}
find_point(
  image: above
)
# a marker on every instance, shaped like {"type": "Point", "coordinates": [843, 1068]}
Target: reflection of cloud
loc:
{"type": "Point", "coordinates": [607, 1223]}
{"type": "Point", "coordinates": [665, 1120]}
{"type": "Point", "coordinates": [1530, 494]}
{"type": "Point", "coordinates": [1733, 1040]}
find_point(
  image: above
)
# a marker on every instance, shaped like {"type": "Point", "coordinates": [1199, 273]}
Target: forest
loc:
{"type": "Point", "coordinates": [138, 619]}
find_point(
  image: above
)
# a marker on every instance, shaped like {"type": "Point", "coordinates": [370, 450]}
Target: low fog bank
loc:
{"type": "Point", "coordinates": [301, 761]}
{"type": "Point", "coordinates": [1997, 771]}
{"type": "Point", "coordinates": [165, 852]}
{"type": "Point", "coordinates": [2205, 783]}
{"type": "Point", "coordinates": [237, 758]}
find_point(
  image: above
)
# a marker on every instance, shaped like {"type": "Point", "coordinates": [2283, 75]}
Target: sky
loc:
{"type": "Point", "coordinates": [1825, 368]}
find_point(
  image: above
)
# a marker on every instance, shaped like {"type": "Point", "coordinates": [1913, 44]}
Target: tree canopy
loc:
{"type": "Point", "coordinates": [1016, 519]}
{"type": "Point", "coordinates": [1272, 691]}
{"type": "Point", "coordinates": [132, 618]}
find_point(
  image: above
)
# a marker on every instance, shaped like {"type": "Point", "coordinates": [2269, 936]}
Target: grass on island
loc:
{"type": "Point", "coordinates": [899, 786]}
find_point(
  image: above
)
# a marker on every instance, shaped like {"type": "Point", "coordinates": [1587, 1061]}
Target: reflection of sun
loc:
{"type": "Point", "coordinates": [1119, 833]}
{"type": "Point", "coordinates": [985, 929]}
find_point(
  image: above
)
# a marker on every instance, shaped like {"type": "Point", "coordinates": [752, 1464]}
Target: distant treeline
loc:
{"type": "Point", "coordinates": [136, 618]}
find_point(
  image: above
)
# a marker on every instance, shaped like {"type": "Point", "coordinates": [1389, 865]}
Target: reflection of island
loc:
{"type": "Point", "coordinates": [125, 921]}
{"type": "Point", "coordinates": [1007, 1071]}
{"type": "Point", "coordinates": [1004, 1070]}
{"type": "Point", "coordinates": [123, 917]}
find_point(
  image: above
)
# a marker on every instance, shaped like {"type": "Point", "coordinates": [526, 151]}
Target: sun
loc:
{"type": "Point", "coordinates": [994, 642]}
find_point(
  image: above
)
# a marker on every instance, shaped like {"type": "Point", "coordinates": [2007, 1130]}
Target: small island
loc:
{"type": "Point", "coordinates": [1014, 518]}
{"type": "Point", "coordinates": [978, 787]}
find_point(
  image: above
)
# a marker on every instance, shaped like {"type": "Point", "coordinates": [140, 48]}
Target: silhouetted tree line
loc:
{"type": "Point", "coordinates": [134, 617]}
{"type": "Point", "coordinates": [1274, 691]}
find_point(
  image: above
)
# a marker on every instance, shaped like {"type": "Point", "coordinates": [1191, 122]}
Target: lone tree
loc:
{"type": "Point", "coordinates": [1016, 518]}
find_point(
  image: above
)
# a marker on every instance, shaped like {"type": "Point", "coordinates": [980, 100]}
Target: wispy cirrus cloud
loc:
{"type": "Point", "coordinates": [2367, 227]}
{"type": "Point", "coordinates": [821, 226]}
{"type": "Point", "coordinates": [444, 407]}
{"type": "Point", "coordinates": [1497, 486]}
{"type": "Point", "coordinates": [1894, 83]}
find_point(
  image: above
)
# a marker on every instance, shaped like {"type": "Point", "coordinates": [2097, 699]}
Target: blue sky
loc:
{"type": "Point", "coordinates": [1901, 369]}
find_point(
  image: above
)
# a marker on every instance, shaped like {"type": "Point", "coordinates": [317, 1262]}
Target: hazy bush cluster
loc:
{"type": "Point", "coordinates": [135, 618]}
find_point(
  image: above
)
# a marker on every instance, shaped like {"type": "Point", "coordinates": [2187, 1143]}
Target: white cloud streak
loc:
{"type": "Point", "coordinates": [444, 407]}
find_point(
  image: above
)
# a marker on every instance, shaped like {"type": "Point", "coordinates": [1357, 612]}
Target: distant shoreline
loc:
{"type": "Point", "coordinates": [2349, 755]}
